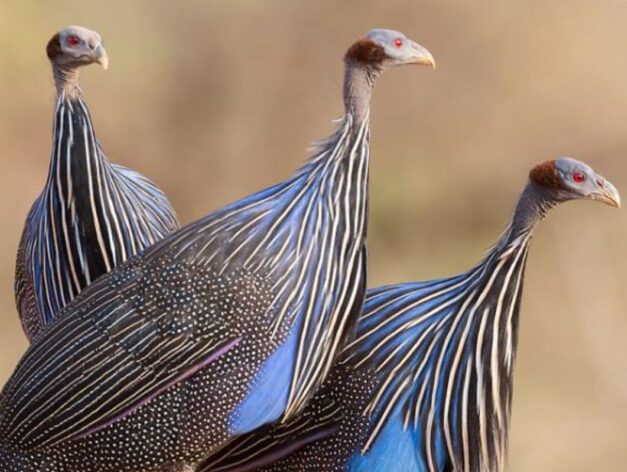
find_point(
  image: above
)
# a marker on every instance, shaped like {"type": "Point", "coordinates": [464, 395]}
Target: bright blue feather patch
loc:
{"type": "Point", "coordinates": [272, 382]}
{"type": "Point", "coordinates": [394, 449]}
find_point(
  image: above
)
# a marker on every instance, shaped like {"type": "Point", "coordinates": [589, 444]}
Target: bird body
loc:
{"type": "Point", "coordinates": [214, 296]}
{"type": "Point", "coordinates": [228, 324]}
{"type": "Point", "coordinates": [427, 383]}
{"type": "Point", "coordinates": [91, 215]}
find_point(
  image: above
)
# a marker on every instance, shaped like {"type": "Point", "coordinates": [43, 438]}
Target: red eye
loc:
{"type": "Point", "coordinates": [398, 42]}
{"type": "Point", "coordinates": [579, 177]}
{"type": "Point", "coordinates": [73, 40]}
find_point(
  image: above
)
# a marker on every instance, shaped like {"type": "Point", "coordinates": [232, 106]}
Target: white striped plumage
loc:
{"type": "Point", "coordinates": [91, 216]}
{"type": "Point", "coordinates": [431, 353]}
{"type": "Point", "coordinates": [280, 272]}
{"type": "Point", "coordinates": [427, 383]}
{"type": "Point", "coordinates": [336, 236]}
{"type": "Point", "coordinates": [458, 339]}
{"type": "Point", "coordinates": [308, 255]}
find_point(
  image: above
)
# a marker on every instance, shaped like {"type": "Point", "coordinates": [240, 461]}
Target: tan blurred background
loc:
{"type": "Point", "coordinates": [216, 99]}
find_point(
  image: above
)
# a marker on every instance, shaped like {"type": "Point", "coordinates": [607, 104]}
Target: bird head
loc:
{"type": "Point", "coordinates": [76, 46]}
{"type": "Point", "coordinates": [383, 48]}
{"type": "Point", "coordinates": [570, 179]}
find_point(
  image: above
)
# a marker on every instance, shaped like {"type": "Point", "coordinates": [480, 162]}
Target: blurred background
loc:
{"type": "Point", "coordinates": [214, 100]}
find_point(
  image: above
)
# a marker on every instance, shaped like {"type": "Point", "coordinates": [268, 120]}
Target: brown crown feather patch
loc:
{"type": "Point", "coordinates": [53, 49]}
{"type": "Point", "coordinates": [365, 51]}
{"type": "Point", "coordinates": [546, 175]}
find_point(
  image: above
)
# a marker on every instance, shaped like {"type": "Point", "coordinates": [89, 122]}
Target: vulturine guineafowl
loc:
{"type": "Point", "coordinates": [230, 323]}
{"type": "Point", "coordinates": [427, 384]}
{"type": "Point", "coordinates": [91, 215]}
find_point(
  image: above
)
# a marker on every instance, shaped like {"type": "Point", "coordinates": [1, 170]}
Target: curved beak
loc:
{"type": "Point", "coordinates": [100, 56]}
{"type": "Point", "coordinates": [421, 56]}
{"type": "Point", "coordinates": [606, 192]}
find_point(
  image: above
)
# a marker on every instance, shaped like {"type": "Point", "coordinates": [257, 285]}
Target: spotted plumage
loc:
{"type": "Point", "coordinates": [427, 383]}
{"type": "Point", "coordinates": [230, 323]}
{"type": "Point", "coordinates": [92, 215]}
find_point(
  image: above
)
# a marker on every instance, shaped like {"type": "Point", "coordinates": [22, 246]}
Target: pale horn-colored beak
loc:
{"type": "Point", "coordinates": [606, 193]}
{"type": "Point", "coordinates": [421, 56]}
{"type": "Point", "coordinates": [101, 57]}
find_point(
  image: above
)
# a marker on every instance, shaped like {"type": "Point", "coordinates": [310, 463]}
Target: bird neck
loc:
{"type": "Point", "coordinates": [75, 148]}
{"type": "Point", "coordinates": [66, 80]}
{"type": "Point", "coordinates": [81, 201]}
{"type": "Point", "coordinates": [359, 80]}
{"type": "Point", "coordinates": [533, 205]}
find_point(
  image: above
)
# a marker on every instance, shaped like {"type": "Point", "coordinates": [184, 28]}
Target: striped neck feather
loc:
{"type": "Point", "coordinates": [74, 140]}
{"type": "Point", "coordinates": [73, 208]}
{"type": "Point", "coordinates": [444, 351]}
{"type": "Point", "coordinates": [308, 234]}
{"type": "Point", "coordinates": [339, 173]}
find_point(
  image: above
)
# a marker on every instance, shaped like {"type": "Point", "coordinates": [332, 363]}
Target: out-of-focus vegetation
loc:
{"type": "Point", "coordinates": [216, 99]}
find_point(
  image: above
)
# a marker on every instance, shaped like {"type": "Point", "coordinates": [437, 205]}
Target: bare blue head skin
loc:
{"type": "Point", "coordinates": [71, 48]}
{"type": "Point", "coordinates": [399, 49]}
{"type": "Point", "coordinates": [561, 180]}
{"type": "Point", "coordinates": [579, 181]}
{"type": "Point", "coordinates": [367, 58]}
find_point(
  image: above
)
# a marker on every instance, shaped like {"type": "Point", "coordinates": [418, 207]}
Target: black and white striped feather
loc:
{"type": "Point", "coordinates": [91, 216]}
